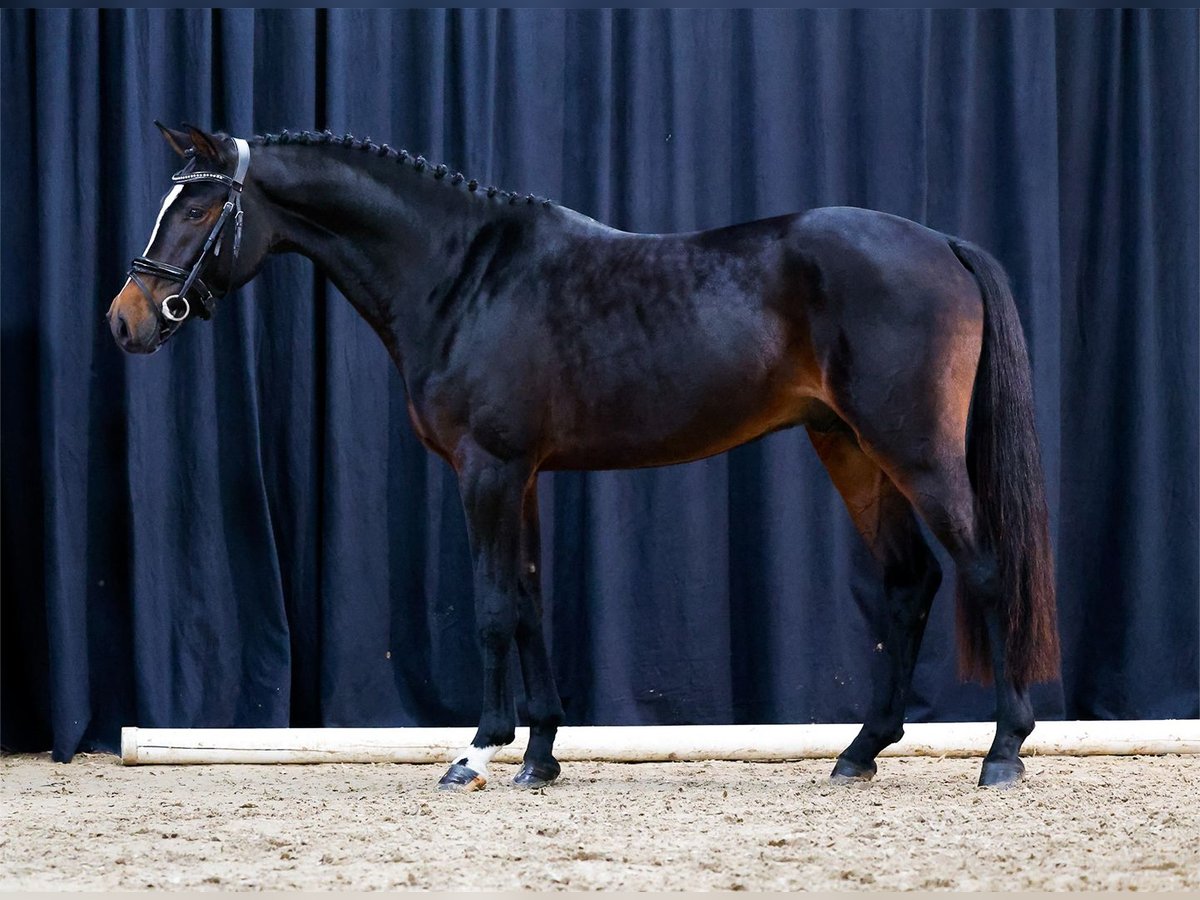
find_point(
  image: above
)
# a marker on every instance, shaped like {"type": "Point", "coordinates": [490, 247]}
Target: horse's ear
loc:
{"type": "Point", "coordinates": [205, 144]}
{"type": "Point", "coordinates": [179, 141]}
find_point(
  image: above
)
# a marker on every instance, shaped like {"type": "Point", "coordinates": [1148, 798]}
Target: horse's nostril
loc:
{"type": "Point", "coordinates": [122, 327]}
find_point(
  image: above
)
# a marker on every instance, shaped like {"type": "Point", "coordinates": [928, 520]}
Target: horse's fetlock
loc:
{"type": "Point", "coordinates": [887, 735]}
{"type": "Point", "coordinates": [544, 720]}
{"type": "Point", "coordinates": [1022, 724]}
{"type": "Point", "coordinates": [494, 734]}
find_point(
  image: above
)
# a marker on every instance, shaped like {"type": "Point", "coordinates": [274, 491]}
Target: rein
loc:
{"type": "Point", "coordinates": [176, 307]}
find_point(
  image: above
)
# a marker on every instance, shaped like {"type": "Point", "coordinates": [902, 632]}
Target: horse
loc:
{"type": "Point", "coordinates": [533, 338]}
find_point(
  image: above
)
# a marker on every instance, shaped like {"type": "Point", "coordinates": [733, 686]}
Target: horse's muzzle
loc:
{"type": "Point", "coordinates": [133, 323]}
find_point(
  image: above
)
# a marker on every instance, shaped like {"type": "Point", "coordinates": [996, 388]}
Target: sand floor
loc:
{"type": "Point", "coordinates": [1093, 823]}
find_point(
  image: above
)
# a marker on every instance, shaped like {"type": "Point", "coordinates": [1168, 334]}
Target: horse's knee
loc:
{"type": "Point", "coordinates": [494, 636]}
{"type": "Point", "coordinates": [496, 622]}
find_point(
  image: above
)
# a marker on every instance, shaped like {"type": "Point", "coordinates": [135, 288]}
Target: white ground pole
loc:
{"type": "Point", "coordinates": [641, 743]}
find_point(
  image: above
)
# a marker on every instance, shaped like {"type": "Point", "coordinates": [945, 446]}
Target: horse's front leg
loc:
{"type": "Point", "coordinates": [492, 492]}
{"type": "Point", "coordinates": [541, 694]}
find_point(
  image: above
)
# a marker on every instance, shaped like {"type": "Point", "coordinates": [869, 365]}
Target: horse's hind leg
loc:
{"type": "Point", "coordinates": [541, 693]}
{"type": "Point", "coordinates": [911, 575]}
{"type": "Point", "coordinates": [940, 489]}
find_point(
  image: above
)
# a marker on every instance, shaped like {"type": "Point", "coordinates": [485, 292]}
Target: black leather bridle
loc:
{"type": "Point", "coordinates": [176, 307]}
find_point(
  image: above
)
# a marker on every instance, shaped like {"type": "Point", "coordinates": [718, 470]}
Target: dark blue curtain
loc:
{"type": "Point", "coordinates": [243, 529]}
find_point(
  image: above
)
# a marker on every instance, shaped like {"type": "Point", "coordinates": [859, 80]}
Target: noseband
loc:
{"type": "Point", "coordinates": [176, 307]}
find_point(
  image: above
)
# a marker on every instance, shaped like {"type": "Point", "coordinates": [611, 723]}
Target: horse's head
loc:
{"type": "Point", "coordinates": [207, 240]}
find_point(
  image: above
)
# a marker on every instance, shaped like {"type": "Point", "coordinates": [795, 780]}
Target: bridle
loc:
{"type": "Point", "coordinates": [176, 307]}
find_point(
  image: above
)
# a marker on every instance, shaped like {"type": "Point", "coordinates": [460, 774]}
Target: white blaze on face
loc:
{"type": "Point", "coordinates": [170, 198]}
{"type": "Point", "coordinates": [477, 758]}
{"type": "Point", "coordinates": [166, 204]}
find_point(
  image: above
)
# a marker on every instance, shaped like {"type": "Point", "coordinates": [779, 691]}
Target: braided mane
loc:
{"type": "Point", "coordinates": [417, 163]}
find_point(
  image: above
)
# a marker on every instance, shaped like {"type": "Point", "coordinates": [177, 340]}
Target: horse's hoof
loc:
{"type": "Point", "coordinates": [847, 772]}
{"type": "Point", "coordinates": [461, 779]}
{"type": "Point", "coordinates": [1001, 773]}
{"type": "Point", "coordinates": [536, 775]}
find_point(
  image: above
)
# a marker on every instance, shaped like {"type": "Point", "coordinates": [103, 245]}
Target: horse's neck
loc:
{"type": "Point", "coordinates": [383, 234]}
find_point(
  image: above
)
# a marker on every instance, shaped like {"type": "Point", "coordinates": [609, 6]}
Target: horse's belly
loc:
{"type": "Point", "coordinates": [628, 449]}
{"type": "Point", "coordinates": [677, 414]}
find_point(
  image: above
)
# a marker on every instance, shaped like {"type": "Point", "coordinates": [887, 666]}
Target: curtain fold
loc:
{"type": "Point", "coordinates": [244, 530]}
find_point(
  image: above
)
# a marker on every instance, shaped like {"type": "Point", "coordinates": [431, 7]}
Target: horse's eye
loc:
{"type": "Point", "coordinates": [195, 212]}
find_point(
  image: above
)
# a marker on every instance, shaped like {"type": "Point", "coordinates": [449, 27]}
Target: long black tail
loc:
{"type": "Point", "coordinates": [1005, 466]}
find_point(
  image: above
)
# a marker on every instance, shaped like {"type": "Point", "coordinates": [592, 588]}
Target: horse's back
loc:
{"type": "Point", "coordinates": [866, 258]}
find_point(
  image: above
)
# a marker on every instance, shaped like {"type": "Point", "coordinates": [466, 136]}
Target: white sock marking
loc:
{"type": "Point", "coordinates": [477, 758]}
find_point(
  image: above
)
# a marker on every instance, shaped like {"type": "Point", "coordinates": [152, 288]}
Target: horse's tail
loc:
{"type": "Point", "coordinates": [1005, 467]}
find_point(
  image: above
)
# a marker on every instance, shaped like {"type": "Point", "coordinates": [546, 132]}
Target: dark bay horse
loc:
{"type": "Point", "coordinates": [531, 337]}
